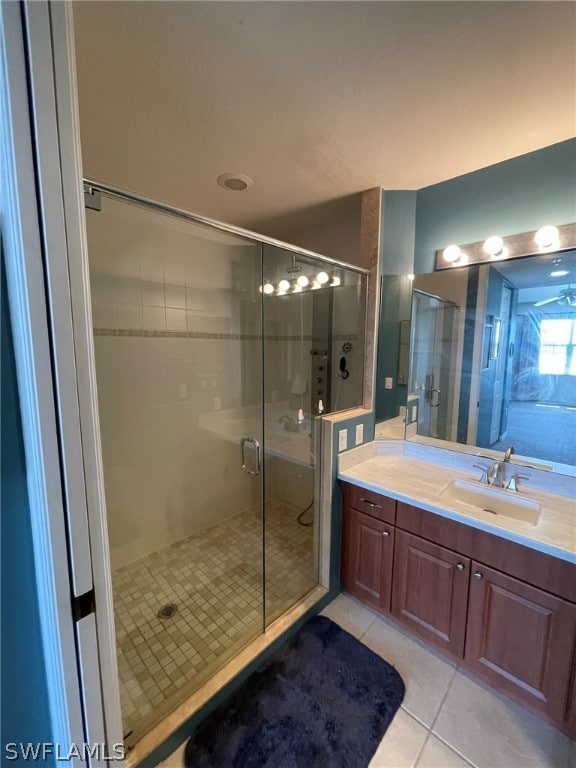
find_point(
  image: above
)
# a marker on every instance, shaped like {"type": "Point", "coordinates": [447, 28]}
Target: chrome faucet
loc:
{"type": "Point", "coordinates": [508, 452]}
{"type": "Point", "coordinates": [495, 474]}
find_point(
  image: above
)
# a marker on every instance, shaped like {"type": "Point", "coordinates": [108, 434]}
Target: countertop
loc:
{"type": "Point", "coordinates": [417, 474]}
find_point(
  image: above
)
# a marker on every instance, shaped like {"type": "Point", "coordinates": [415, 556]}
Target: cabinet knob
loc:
{"type": "Point", "coordinates": [385, 533]}
{"type": "Point", "coordinates": [478, 575]}
{"type": "Point", "coordinates": [459, 566]}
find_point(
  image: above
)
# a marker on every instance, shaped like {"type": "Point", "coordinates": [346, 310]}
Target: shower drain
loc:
{"type": "Point", "coordinates": [167, 611]}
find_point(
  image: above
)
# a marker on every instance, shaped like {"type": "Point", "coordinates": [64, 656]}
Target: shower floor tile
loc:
{"type": "Point", "coordinates": [215, 581]}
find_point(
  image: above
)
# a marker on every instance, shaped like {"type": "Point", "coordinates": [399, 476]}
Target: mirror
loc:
{"type": "Point", "coordinates": [492, 359]}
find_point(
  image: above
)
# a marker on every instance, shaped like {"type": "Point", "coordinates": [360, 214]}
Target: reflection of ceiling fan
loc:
{"type": "Point", "coordinates": [565, 296]}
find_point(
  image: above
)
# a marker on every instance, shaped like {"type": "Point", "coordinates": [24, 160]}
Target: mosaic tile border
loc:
{"type": "Point", "coordinates": [127, 332]}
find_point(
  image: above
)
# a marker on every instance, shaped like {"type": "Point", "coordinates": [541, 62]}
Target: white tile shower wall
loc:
{"type": "Point", "coordinates": [165, 478]}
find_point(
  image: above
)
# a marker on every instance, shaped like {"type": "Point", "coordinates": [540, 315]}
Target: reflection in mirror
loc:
{"type": "Point", "coordinates": [493, 357]}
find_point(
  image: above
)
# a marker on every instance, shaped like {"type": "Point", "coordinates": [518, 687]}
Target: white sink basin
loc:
{"type": "Point", "coordinates": [493, 500]}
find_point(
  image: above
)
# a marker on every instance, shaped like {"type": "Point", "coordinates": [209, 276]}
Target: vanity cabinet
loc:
{"type": "Point", "coordinates": [368, 550]}
{"type": "Point", "coordinates": [502, 610]}
{"type": "Point", "coordinates": [431, 591]}
{"type": "Point", "coordinates": [520, 639]}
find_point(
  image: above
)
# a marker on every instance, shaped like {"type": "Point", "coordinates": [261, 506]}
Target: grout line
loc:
{"type": "Point", "coordinates": [453, 749]}
{"type": "Point", "coordinates": [443, 699]}
{"type": "Point", "coordinates": [419, 755]}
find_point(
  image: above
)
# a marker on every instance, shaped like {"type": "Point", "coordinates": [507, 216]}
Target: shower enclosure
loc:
{"type": "Point", "coordinates": [216, 356]}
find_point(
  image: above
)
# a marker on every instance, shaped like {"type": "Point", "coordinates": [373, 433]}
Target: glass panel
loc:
{"type": "Point", "coordinates": [291, 423]}
{"type": "Point", "coordinates": [177, 326]}
{"type": "Point", "coordinates": [313, 322]}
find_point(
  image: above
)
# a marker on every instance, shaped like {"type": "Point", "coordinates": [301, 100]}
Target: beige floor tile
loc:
{"type": "Point", "coordinates": [426, 675]}
{"type": "Point", "coordinates": [401, 744]}
{"type": "Point", "coordinates": [493, 732]}
{"type": "Point", "coordinates": [350, 615]}
{"type": "Point", "coordinates": [176, 759]}
{"type": "Point", "coordinates": [437, 755]}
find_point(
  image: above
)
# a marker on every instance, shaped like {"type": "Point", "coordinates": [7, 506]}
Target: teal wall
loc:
{"type": "Point", "coordinates": [511, 197]}
{"type": "Point", "coordinates": [24, 699]}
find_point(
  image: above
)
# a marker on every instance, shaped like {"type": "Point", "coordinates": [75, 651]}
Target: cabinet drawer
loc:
{"type": "Point", "coordinates": [373, 504]}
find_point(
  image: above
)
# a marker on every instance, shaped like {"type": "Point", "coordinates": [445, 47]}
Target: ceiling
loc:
{"type": "Point", "coordinates": [316, 101]}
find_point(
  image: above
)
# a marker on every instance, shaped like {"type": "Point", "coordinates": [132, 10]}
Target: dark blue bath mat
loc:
{"type": "Point", "coordinates": [323, 700]}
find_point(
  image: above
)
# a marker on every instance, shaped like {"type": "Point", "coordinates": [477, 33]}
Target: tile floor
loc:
{"type": "Point", "coordinates": [447, 719]}
{"type": "Point", "coordinates": [215, 580]}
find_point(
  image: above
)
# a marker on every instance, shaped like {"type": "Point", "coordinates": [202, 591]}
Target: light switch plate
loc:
{"type": "Point", "coordinates": [342, 439]}
{"type": "Point", "coordinates": [359, 434]}
{"type": "Point", "coordinates": [388, 382]}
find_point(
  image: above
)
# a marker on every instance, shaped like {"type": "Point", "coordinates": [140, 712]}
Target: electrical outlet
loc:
{"type": "Point", "coordinates": [342, 439]}
{"type": "Point", "coordinates": [388, 383]}
{"type": "Point", "coordinates": [359, 433]}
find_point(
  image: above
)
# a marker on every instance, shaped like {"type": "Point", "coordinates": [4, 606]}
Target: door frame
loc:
{"type": "Point", "coordinates": [48, 289]}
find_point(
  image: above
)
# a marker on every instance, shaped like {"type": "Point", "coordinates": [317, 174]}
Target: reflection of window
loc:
{"type": "Point", "coordinates": [557, 346]}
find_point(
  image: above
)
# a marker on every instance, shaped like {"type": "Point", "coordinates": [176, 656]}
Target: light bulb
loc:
{"type": "Point", "coordinates": [451, 253]}
{"type": "Point", "coordinates": [559, 273]}
{"type": "Point", "coordinates": [335, 281]}
{"type": "Point", "coordinates": [302, 281]}
{"type": "Point", "coordinates": [410, 277]}
{"type": "Point", "coordinates": [547, 236]}
{"type": "Point", "coordinates": [260, 288]}
{"type": "Point", "coordinates": [284, 284]}
{"type": "Point", "coordinates": [493, 245]}
{"type": "Point", "coordinates": [322, 277]}
{"type": "Point", "coordinates": [315, 285]}
{"type": "Point", "coordinates": [297, 289]}
{"type": "Point", "coordinates": [268, 288]}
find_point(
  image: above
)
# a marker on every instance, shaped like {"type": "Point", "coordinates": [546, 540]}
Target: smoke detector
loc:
{"type": "Point", "coordinates": [235, 182]}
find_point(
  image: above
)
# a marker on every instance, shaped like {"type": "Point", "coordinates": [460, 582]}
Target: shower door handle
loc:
{"type": "Point", "coordinates": [438, 400]}
{"type": "Point", "coordinates": [253, 446]}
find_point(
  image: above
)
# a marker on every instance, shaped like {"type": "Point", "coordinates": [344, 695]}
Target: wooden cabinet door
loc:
{"type": "Point", "coordinates": [431, 591]}
{"type": "Point", "coordinates": [520, 639]}
{"type": "Point", "coordinates": [367, 561]}
{"type": "Point", "coordinates": [570, 719]}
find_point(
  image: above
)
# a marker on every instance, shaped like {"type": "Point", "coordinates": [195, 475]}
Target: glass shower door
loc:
{"type": "Point", "coordinates": [177, 318]}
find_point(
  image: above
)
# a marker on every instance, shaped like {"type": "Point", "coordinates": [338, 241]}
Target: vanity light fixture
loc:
{"type": "Point", "coordinates": [284, 285]}
{"type": "Point", "coordinates": [548, 239]}
{"type": "Point", "coordinates": [335, 281]}
{"type": "Point", "coordinates": [302, 281]}
{"type": "Point", "coordinates": [268, 288]}
{"type": "Point", "coordinates": [323, 277]}
{"type": "Point", "coordinates": [316, 285]}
